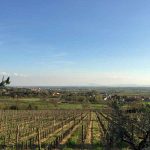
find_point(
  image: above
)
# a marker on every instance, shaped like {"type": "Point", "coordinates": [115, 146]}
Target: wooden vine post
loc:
{"type": "Point", "coordinates": [17, 137]}
{"type": "Point", "coordinates": [82, 134]}
{"type": "Point", "coordinates": [39, 138]}
{"type": "Point", "coordinates": [54, 121]}
{"type": "Point", "coordinates": [92, 132]}
{"type": "Point", "coordinates": [62, 123]}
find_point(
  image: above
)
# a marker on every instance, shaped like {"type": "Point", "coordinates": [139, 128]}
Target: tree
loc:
{"type": "Point", "coordinates": [132, 130]}
{"type": "Point", "coordinates": [5, 82]}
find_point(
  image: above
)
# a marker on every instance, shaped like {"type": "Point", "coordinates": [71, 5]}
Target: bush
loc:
{"type": "Point", "coordinates": [13, 107]}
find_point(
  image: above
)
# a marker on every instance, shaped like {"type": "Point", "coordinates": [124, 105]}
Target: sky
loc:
{"type": "Point", "coordinates": [75, 42]}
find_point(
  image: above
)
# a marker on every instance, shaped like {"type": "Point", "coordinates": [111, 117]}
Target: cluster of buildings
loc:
{"type": "Point", "coordinates": [108, 97]}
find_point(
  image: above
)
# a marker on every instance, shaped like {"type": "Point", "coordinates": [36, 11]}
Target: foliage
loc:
{"type": "Point", "coordinates": [125, 128]}
{"type": "Point", "coordinates": [5, 82]}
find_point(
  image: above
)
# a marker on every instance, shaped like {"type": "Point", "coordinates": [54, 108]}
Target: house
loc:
{"type": "Point", "coordinates": [147, 100]}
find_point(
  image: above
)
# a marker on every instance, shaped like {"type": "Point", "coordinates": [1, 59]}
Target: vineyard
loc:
{"type": "Point", "coordinates": [62, 129]}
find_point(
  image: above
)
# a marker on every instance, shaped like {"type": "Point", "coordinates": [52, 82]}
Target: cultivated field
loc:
{"type": "Point", "coordinates": [62, 129]}
{"type": "Point", "coordinates": [49, 129]}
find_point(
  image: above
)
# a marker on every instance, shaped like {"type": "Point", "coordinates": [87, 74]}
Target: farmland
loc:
{"type": "Point", "coordinates": [74, 119]}
{"type": "Point", "coordinates": [45, 129]}
{"type": "Point", "coordinates": [71, 129]}
{"type": "Point", "coordinates": [36, 103]}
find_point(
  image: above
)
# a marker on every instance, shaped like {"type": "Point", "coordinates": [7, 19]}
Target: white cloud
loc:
{"type": "Point", "coordinates": [19, 75]}
{"type": "Point", "coordinates": [4, 73]}
{"type": "Point", "coordinates": [13, 74]}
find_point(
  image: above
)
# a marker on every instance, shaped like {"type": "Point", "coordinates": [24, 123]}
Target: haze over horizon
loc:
{"type": "Point", "coordinates": [74, 42]}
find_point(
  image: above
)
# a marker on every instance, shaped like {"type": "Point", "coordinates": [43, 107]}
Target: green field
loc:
{"type": "Point", "coordinates": [36, 103]}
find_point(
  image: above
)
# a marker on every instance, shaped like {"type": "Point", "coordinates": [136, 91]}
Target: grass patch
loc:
{"type": "Point", "coordinates": [23, 103]}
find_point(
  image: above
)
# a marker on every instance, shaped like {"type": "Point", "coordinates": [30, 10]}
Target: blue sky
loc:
{"type": "Point", "coordinates": [75, 42]}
